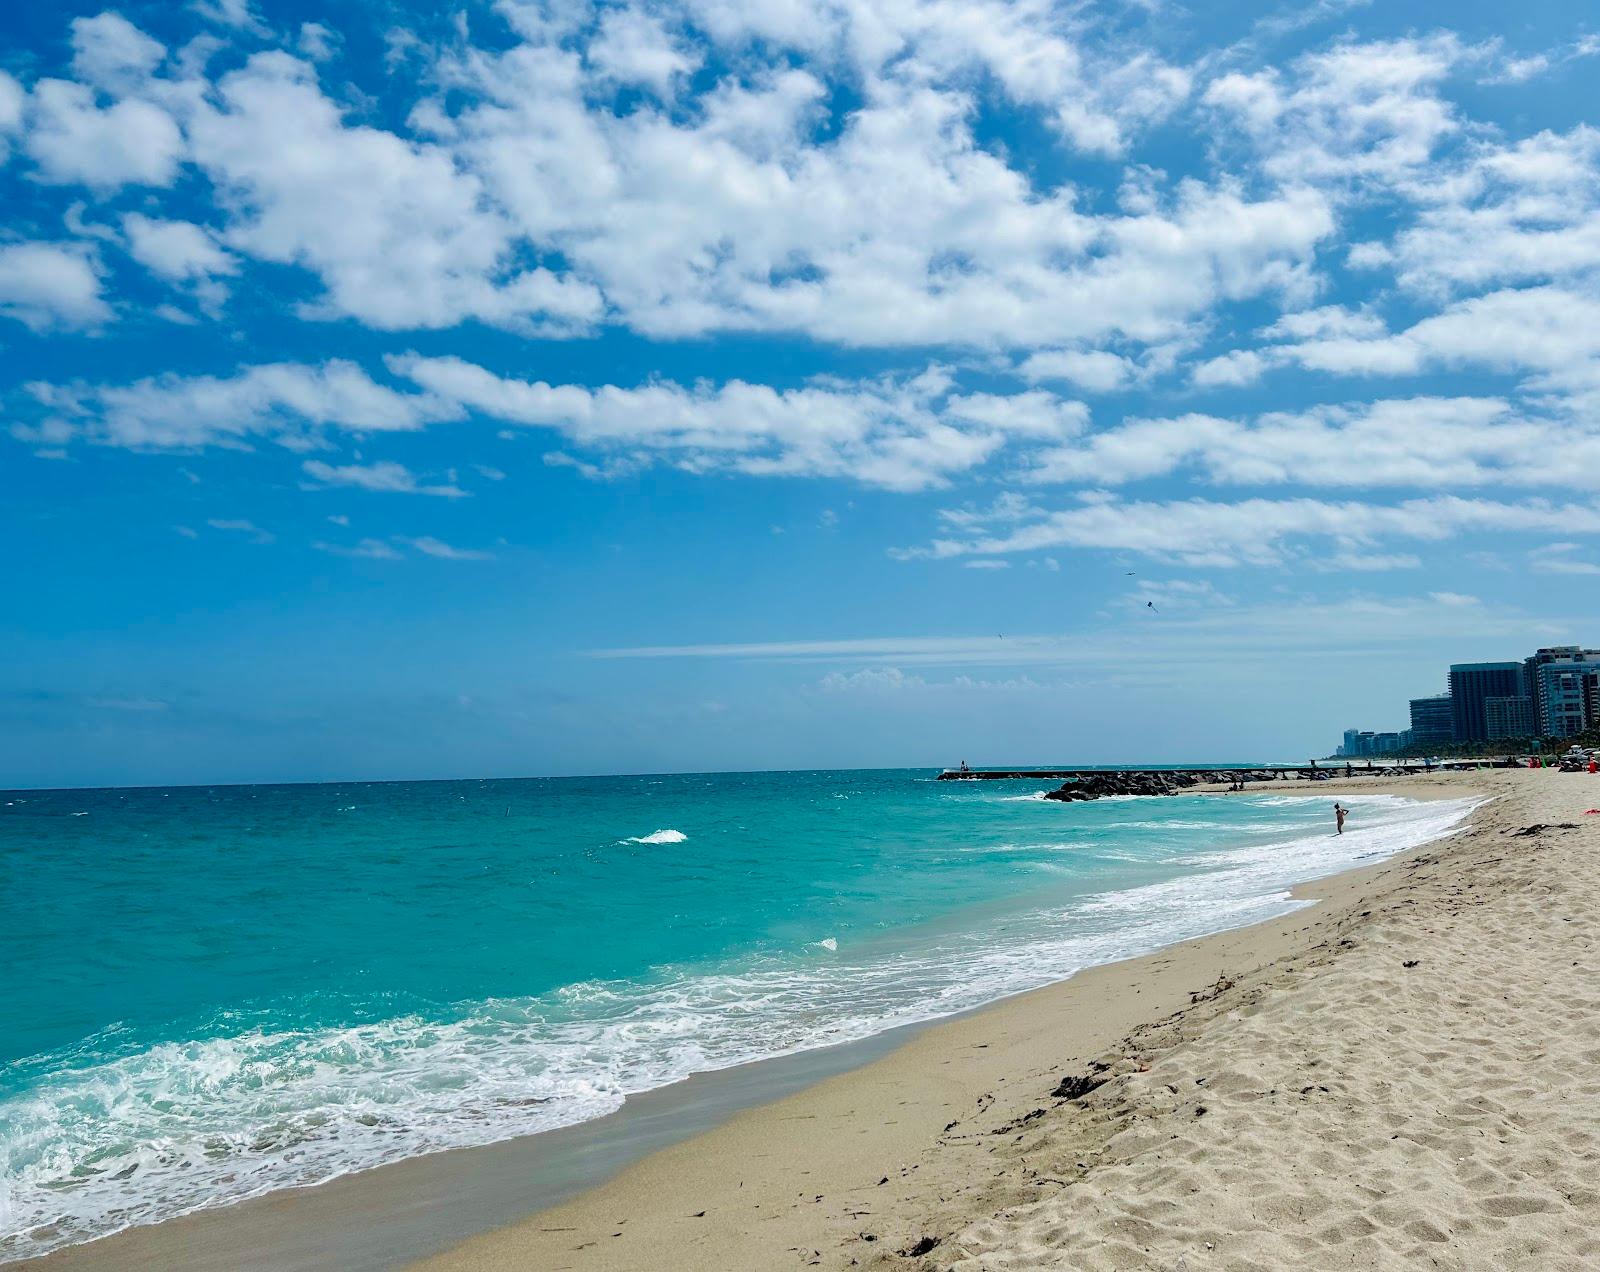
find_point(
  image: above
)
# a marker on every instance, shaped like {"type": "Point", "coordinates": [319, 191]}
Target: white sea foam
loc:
{"type": "Point", "coordinates": [829, 943]}
{"type": "Point", "coordinates": [659, 837]}
{"type": "Point", "coordinates": [97, 1144]}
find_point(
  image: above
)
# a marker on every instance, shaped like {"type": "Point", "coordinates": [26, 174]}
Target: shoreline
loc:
{"type": "Point", "coordinates": [441, 1208]}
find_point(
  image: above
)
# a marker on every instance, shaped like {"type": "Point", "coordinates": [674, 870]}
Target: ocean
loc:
{"type": "Point", "coordinates": [213, 993]}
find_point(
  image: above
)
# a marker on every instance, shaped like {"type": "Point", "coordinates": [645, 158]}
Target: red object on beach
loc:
{"type": "Point", "coordinates": [1587, 811]}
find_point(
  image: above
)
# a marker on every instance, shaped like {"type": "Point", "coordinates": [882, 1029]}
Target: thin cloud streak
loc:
{"type": "Point", "coordinates": [1225, 635]}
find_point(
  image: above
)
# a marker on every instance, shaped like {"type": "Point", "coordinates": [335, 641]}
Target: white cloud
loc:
{"type": "Point", "coordinates": [634, 47]}
{"type": "Point", "coordinates": [900, 434]}
{"type": "Point", "coordinates": [75, 141]}
{"type": "Point", "coordinates": [385, 476]}
{"type": "Point", "coordinates": [181, 253]}
{"type": "Point", "coordinates": [870, 679]}
{"type": "Point", "coordinates": [399, 234]}
{"type": "Point", "coordinates": [729, 214]}
{"type": "Point", "coordinates": [899, 230]}
{"type": "Point", "coordinates": [111, 53]}
{"type": "Point", "coordinates": [1526, 211]}
{"type": "Point", "coordinates": [1356, 112]}
{"type": "Point", "coordinates": [1420, 442]}
{"type": "Point", "coordinates": [1235, 368]}
{"type": "Point", "coordinates": [1094, 370]}
{"type": "Point", "coordinates": [1327, 322]}
{"type": "Point", "coordinates": [318, 42]}
{"type": "Point", "coordinates": [239, 525]}
{"type": "Point", "coordinates": [46, 285]}
{"type": "Point", "coordinates": [1549, 333]}
{"type": "Point", "coordinates": [240, 15]}
{"type": "Point", "coordinates": [1561, 558]}
{"type": "Point", "coordinates": [285, 401]}
{"type": "Point", "coordinates": [1360, 561]}
{"type": "Point", "coordinates": [370, 549]}
{"type": "Point", "coordinates": [429, 546]}
{"type": "Point", "coordinates": [1262, 531]}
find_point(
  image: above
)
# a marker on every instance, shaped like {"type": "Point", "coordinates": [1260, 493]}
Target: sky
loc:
{"type": "Point", "coordinates": [563, 388]}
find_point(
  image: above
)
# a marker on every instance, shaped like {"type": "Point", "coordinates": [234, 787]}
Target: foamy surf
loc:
{"type": "Point", "coordinates": [659, 837]}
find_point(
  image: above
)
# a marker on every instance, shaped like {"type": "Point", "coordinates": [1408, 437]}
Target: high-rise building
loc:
{"type": "Point", "coordinates": [1431, 722]}
{"type": "Point", "coordinates": [1508, 718]}
{"type": "Point", "coordinates": [1563, 683]}
{"type": "Point", "coordinates": [1470, 685]}
{"type": "Point", "coordinates": [1358, 742]}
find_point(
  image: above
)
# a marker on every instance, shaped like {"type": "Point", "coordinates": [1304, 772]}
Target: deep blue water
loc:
{"type": "Point", "coordinates": [211, 993]}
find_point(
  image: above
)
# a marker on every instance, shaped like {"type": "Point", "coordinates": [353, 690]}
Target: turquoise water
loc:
{"type": "Point", "coordinates": [213, 993]}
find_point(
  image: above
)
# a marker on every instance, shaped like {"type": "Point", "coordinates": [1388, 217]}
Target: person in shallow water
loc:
{"type": "Point", "coordinates": [1339, 812]}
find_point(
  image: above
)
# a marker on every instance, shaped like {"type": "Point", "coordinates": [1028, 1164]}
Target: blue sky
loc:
{"type": "Point", "coordinates": [573, 388]}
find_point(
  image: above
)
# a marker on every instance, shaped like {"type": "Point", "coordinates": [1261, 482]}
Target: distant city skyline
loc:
{"type": "Point", "coordinates": [547, 389]}
{"type": "Point", "coordinates": [1551, 694]}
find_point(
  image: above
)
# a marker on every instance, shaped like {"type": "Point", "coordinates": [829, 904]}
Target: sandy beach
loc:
{"type": "Point", "coordinates": [1407, 1073]}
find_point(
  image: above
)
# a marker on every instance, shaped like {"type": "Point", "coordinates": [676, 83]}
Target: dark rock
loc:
{"type": "Point", "coordinates": [925, 1246]}
{"type": "Point", "coordinates": [1076, 1086]}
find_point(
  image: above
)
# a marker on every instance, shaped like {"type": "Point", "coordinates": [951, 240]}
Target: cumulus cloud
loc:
{"type": "Point", "coordinates": [1361, 111]}
{"type": "Point", "coordinates": [898, 230]}
{"type": "Point", "coordinates": [238, 14]}
{"type": "Point", "coordinates": [111, 53]}
{"type": "Point", "coordinates": [73, 140]}
{"type": "Point", "coordinates": [399, 234]}
{"type": "Point", "coordinates": [1524, 211]}
{"type": "Point", "coordinates": [1094, 370]}
{"type": "Point", "coordinates": [50, 285]}
{"type": "Point", "coordinates": [181, 253]}
{"type": "Point", "coordinates": [635, 47]}
{"type": "Point", "coordinates": [289, 402]}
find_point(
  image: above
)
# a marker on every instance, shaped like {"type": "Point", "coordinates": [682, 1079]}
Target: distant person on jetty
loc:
{"type": "Point", "coordinates": [1339, 814]}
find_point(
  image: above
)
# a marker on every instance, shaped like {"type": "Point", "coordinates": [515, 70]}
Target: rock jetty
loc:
{"type": "Point", "coordinates": [1154, 782]}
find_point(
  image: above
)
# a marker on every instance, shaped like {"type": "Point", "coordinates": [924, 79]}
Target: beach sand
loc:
{"type": "Point", "coordinates": [1406, 1074]}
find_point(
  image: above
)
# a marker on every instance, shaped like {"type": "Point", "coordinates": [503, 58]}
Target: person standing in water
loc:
{"type": "Point", "coordinates": [1339, 812]}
